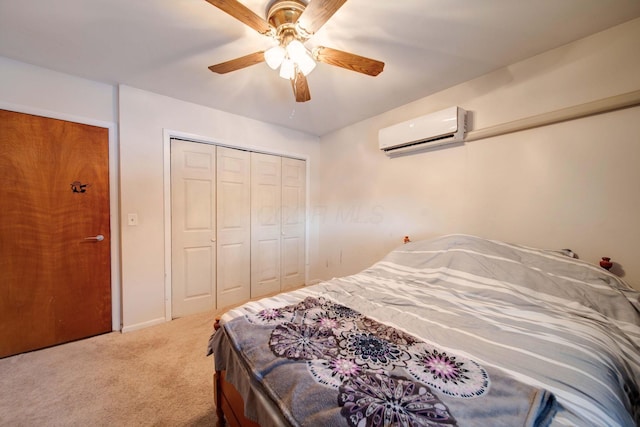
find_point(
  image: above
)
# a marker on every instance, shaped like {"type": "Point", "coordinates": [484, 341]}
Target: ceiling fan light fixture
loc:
{"type": "Point", "coordinates": [274, 56]}
{"type": "Point", "coordinates": [300, 56]}
{"type": "Point", "coordinates": [296, 50]}
{"type": "Point", "coordinates": [291, 23]}
{"type": "Point", "coordinates": [287, 69]}
{"type": "Point", "coordinates": [306, 64]}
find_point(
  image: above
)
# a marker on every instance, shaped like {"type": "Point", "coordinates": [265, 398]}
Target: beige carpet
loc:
{"type": "Point", "coordinates": [158, 376]}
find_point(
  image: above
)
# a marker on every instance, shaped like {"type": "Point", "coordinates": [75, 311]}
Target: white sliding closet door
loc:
{"type": "Point", "coordinates": [266, 218]}
{"type": "Point", "coordinates": [237, 226]}
{"type": "Point", "coordinates": [193, 219]}
{"type": "Point", "coordinates": [293, 222]}
{"type": "Point", "coordinates": [234, 226]}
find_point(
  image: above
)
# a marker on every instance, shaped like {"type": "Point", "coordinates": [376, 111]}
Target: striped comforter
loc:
{"type": "Point", "coordinates": [546, 320]}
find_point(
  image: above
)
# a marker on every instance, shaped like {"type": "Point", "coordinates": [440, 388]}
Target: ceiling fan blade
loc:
{"type": "Point", "coordinates": [348, 60]}
{"type": "Point", "coordinates": [242, 14]}
{"type": "Point", "coordinates": [317, 13]}
{"type": "Point", "coordinates": [238, 63]}
{"type": "Point", "coordinates": [300, 87]}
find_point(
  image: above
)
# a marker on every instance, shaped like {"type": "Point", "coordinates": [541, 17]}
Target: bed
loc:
{"type": "Point", "coordinates": [456, 330]}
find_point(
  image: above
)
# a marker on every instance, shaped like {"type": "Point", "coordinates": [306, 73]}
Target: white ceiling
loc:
{"type": "Point", "coordinates": [165, 46]}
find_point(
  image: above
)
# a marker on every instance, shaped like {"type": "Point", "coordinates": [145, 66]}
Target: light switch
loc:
{"type": "Point", "coordinates": [132, 219]}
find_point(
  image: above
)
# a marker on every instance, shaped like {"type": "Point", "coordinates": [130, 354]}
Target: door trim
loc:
{"type": "Point", "coordinates": [114, 196]}
{"type": "Point", "coordinates": [167, 135]}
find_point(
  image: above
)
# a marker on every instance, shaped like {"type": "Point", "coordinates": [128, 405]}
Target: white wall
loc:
{"type": "Point", "coordinates": [33, 90]}
{"type": "Point", "coordinates": [26, 87]}
{"type": "Point", "coordinates": [144, 120]}
{"type": "Point", "coordinates": [570, 185]}
{"type": "Point", "coordinates": [137, 158]}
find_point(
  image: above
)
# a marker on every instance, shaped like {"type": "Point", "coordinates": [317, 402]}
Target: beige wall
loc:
{"type": "Point", "coordinates": [570, 185]}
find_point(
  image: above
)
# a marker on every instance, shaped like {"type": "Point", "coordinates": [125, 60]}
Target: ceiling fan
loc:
{"type": "Point", "coordinates": [290, 23]}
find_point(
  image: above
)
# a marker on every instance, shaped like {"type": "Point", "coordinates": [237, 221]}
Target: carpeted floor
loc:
{"type": "Point", "coordinates": [158, 376]}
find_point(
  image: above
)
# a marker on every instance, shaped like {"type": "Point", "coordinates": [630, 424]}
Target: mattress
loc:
{"type": "Point", "coordinates": [456, 330]}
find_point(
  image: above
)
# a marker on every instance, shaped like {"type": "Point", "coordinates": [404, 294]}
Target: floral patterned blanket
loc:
{"type": "Point", "coordinates": [324, 363]}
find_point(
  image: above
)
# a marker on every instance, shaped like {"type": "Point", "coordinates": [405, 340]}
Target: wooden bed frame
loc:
{"type": "Point", "coordinates": [229, 403]}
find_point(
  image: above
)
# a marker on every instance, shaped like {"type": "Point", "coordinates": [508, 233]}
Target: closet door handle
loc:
{"type": "Point", "coordinates": [98, 238]}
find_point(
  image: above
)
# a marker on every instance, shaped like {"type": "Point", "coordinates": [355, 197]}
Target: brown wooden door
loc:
{"type": "Point", "coordinates": [55, 280]}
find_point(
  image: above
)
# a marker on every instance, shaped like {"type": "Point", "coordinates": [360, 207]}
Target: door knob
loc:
{"type": "Point", "coordinates": [98, 238]}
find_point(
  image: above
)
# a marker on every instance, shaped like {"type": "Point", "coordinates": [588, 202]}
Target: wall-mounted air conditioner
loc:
{"type": "Point", "coordinates": [442, 127]}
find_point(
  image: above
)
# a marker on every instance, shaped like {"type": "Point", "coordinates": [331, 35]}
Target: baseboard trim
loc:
{"type": "Point", "coordinates": [143, 325]}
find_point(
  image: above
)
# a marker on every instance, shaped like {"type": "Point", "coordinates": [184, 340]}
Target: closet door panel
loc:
{"type": "Point", "coordinates": [193, 210]}
{"type": "Point", "coordinates": [266, 228]}
{"type": "Point", "coordinates": [293, 223]}
{"type": "Point", "coordinates": [233, 226]}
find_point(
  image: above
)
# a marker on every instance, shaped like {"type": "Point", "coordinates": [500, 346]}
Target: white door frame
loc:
{"type": "Point", "coordinates": [167, 135]}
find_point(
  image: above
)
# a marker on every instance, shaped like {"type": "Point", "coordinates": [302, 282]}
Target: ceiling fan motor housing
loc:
{"type": "Point", "coordinates": [283, 15]}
